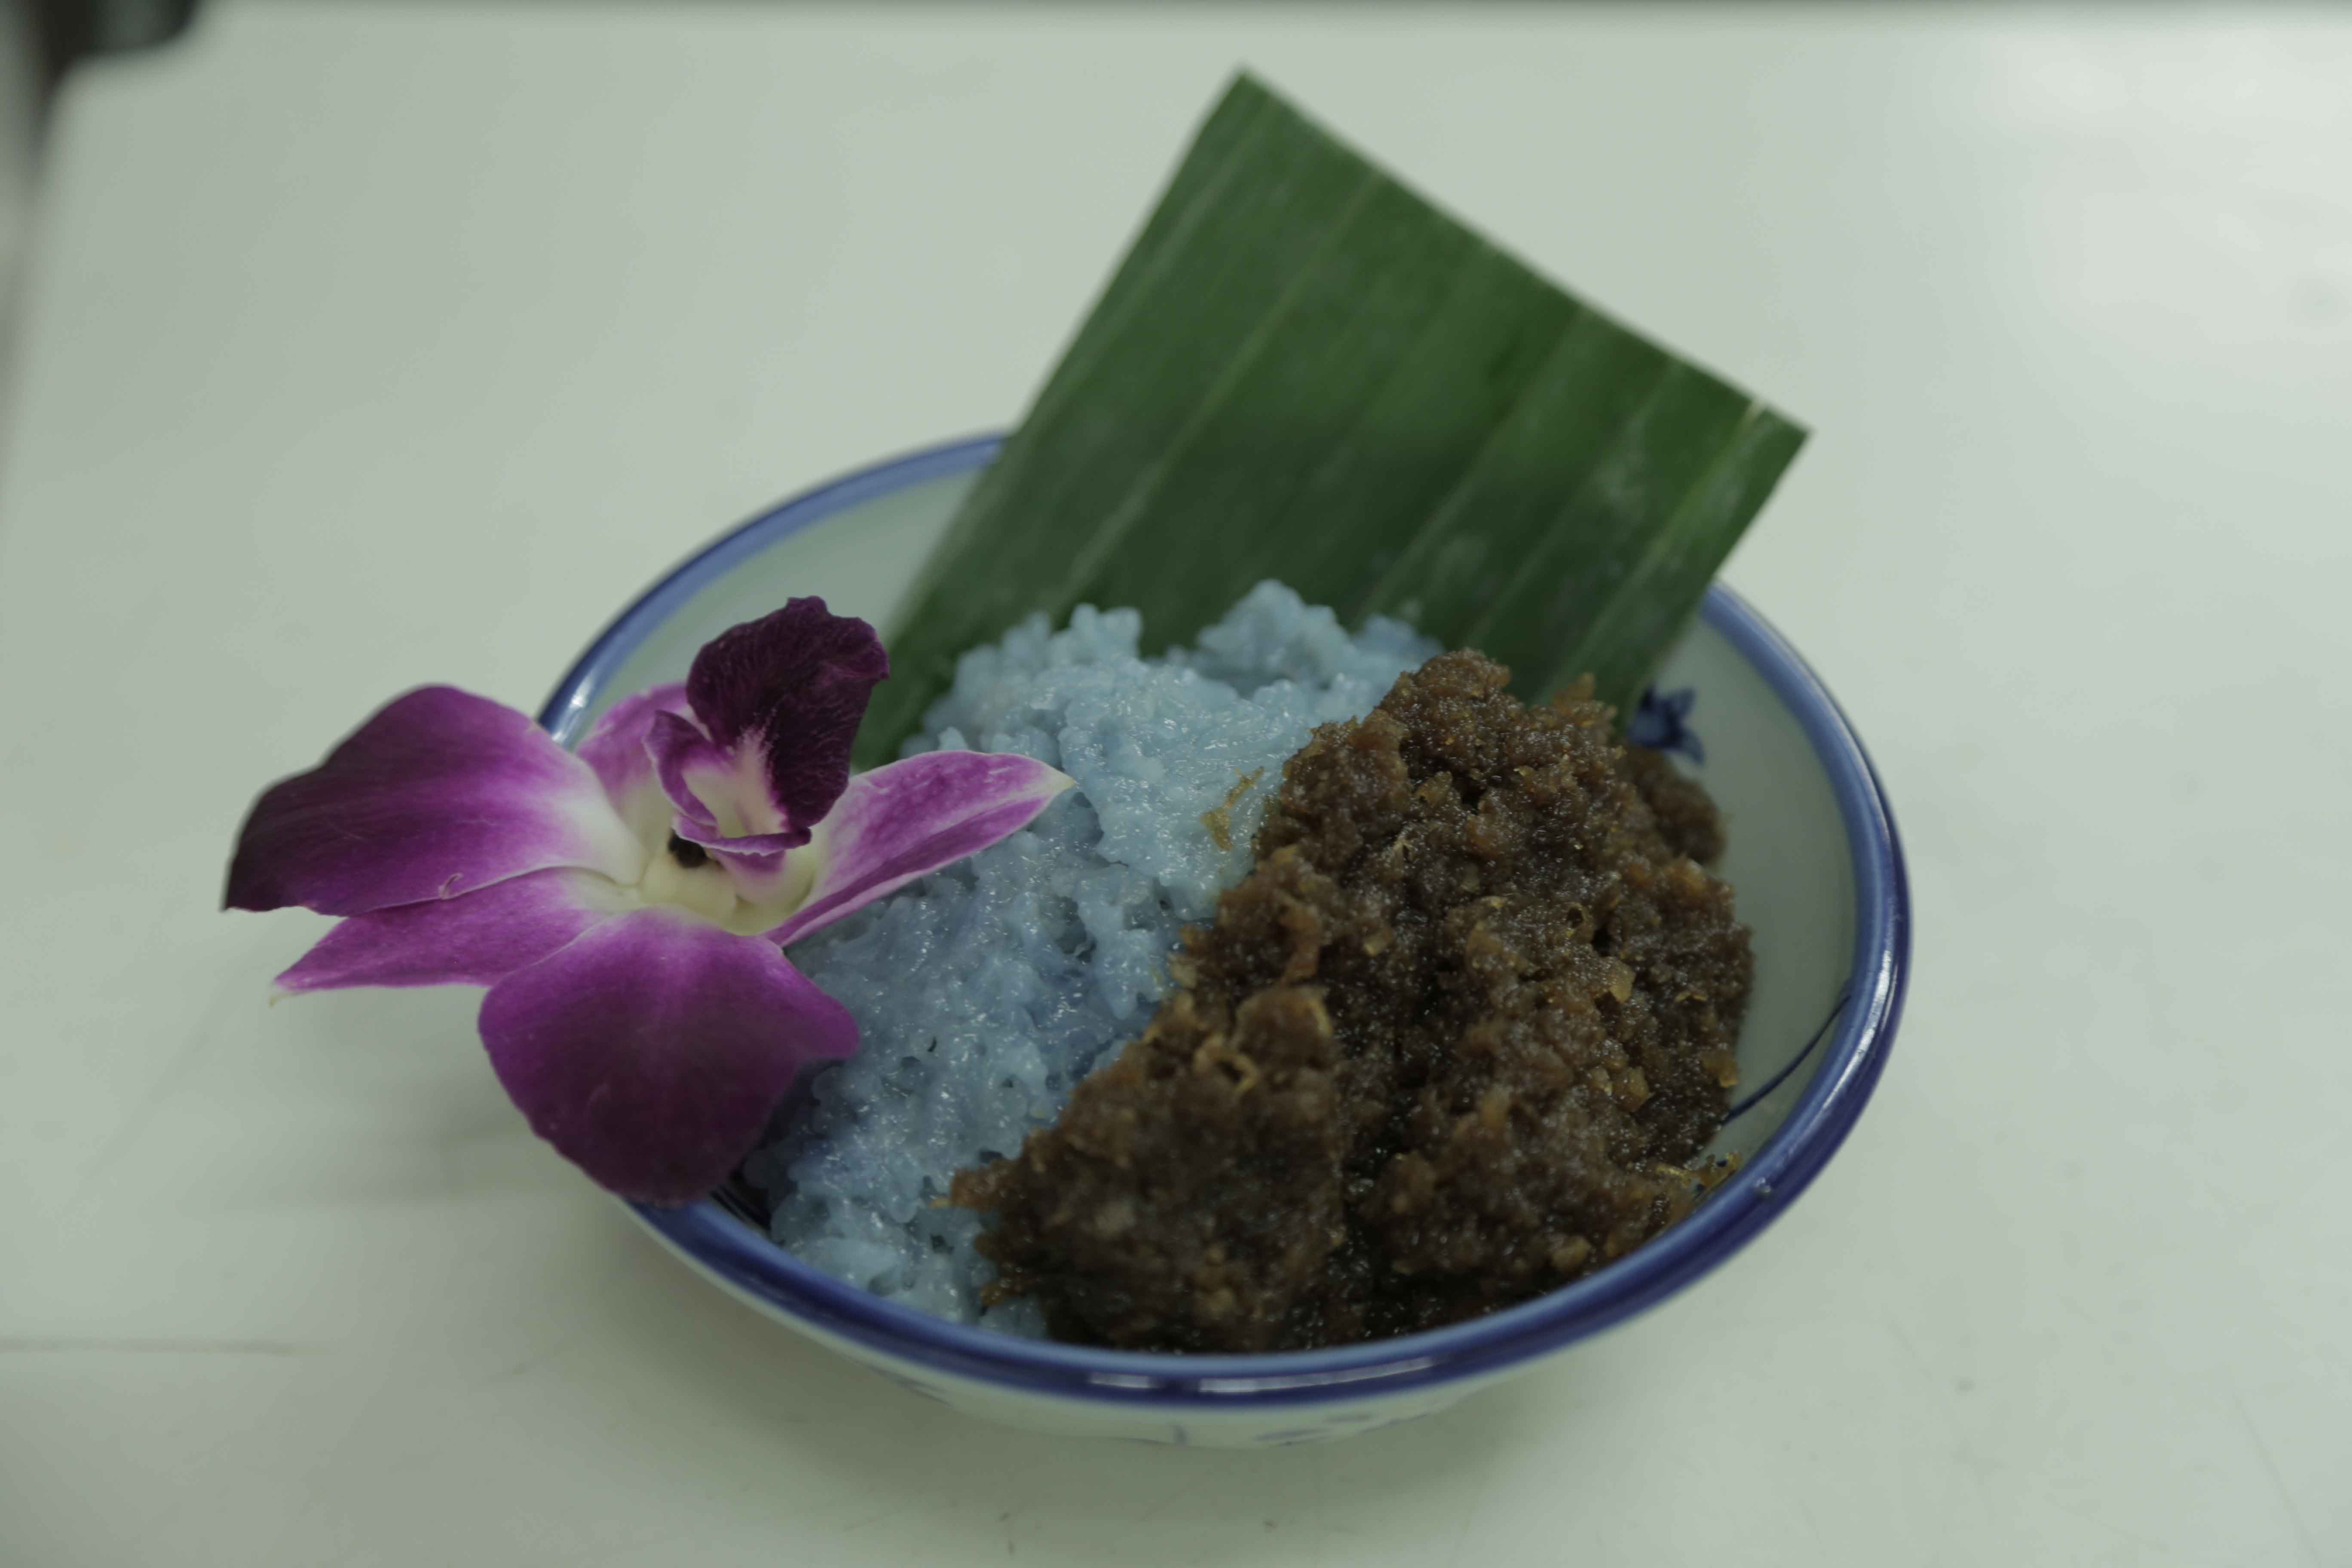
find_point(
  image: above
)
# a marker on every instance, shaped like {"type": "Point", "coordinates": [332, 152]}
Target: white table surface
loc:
{"type": "Point", "coordinates": [365, 348]}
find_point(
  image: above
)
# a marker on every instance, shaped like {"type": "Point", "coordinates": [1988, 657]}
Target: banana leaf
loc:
{"type": "Point", "coordinates": [1303, 369]}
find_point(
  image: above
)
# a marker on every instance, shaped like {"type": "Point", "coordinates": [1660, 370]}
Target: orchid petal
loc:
{"type": "Point", "coordinates": [792, 686]}
{"type": "Point", "coordinates": [478, 940]}
{"type": "Point", "coordinates": [439, 793]}
{"type": "Point", "coordinates": [651, 1051]}
{"type": "Point", "coordinates": [617, 748]}
{"type": "Point", "coordinates": [900, 822]}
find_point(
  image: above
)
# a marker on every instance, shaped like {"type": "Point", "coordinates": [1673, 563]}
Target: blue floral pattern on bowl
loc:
{"type": "Point", "coordinates": [1662, 723]}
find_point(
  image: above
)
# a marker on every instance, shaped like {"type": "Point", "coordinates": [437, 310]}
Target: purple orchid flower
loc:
{"type": "Point", "coordinates": [629, 906]}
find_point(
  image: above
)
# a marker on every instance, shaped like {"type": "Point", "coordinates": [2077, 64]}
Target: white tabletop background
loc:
{"type": "Point", "coordinates": [367, 347]}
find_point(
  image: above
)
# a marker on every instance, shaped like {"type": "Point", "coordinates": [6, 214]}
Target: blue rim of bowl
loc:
{"type": "Point", "coordinates": [745, 1261]}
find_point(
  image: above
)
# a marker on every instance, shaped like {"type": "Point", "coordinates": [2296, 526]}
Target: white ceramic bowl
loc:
{"type": "Point", "coordinates": [1813, 858]}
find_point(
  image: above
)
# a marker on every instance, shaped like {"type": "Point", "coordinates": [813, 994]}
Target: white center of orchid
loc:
{"type": "Point", "coordinates": [703, 888]}
{"type": "Point", "coordinates": [683, 874]}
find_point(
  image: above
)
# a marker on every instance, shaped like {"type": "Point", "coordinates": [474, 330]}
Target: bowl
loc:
{"type": "Point", "coordinates": [1819, 877]}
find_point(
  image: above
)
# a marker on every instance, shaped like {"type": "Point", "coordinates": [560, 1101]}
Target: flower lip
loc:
{"type": "Point", "coordinates": [791, 687]}
{"type": "Point", "coordinates": [759, 750]}
{"type": "Point", "coordinates": [721, 799]}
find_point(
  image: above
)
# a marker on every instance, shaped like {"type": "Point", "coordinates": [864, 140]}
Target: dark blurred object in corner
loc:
{"type": "Point", "coordinates": [65, 31]}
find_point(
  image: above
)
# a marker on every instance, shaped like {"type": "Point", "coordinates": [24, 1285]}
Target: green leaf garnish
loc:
{"type": "Point", "coordinates": [1303, 369]}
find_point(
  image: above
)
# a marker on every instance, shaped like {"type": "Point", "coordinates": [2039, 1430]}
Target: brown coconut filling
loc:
{"type": "Point", "coordinates": [1455, 1041]}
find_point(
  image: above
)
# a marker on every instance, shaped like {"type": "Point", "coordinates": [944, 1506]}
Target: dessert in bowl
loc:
{"type": "Point", "coordinates": [1810, 849]}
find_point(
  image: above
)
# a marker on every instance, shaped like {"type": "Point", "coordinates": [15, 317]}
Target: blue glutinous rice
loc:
{"type": "Point", "coordinates": [985, 992]}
